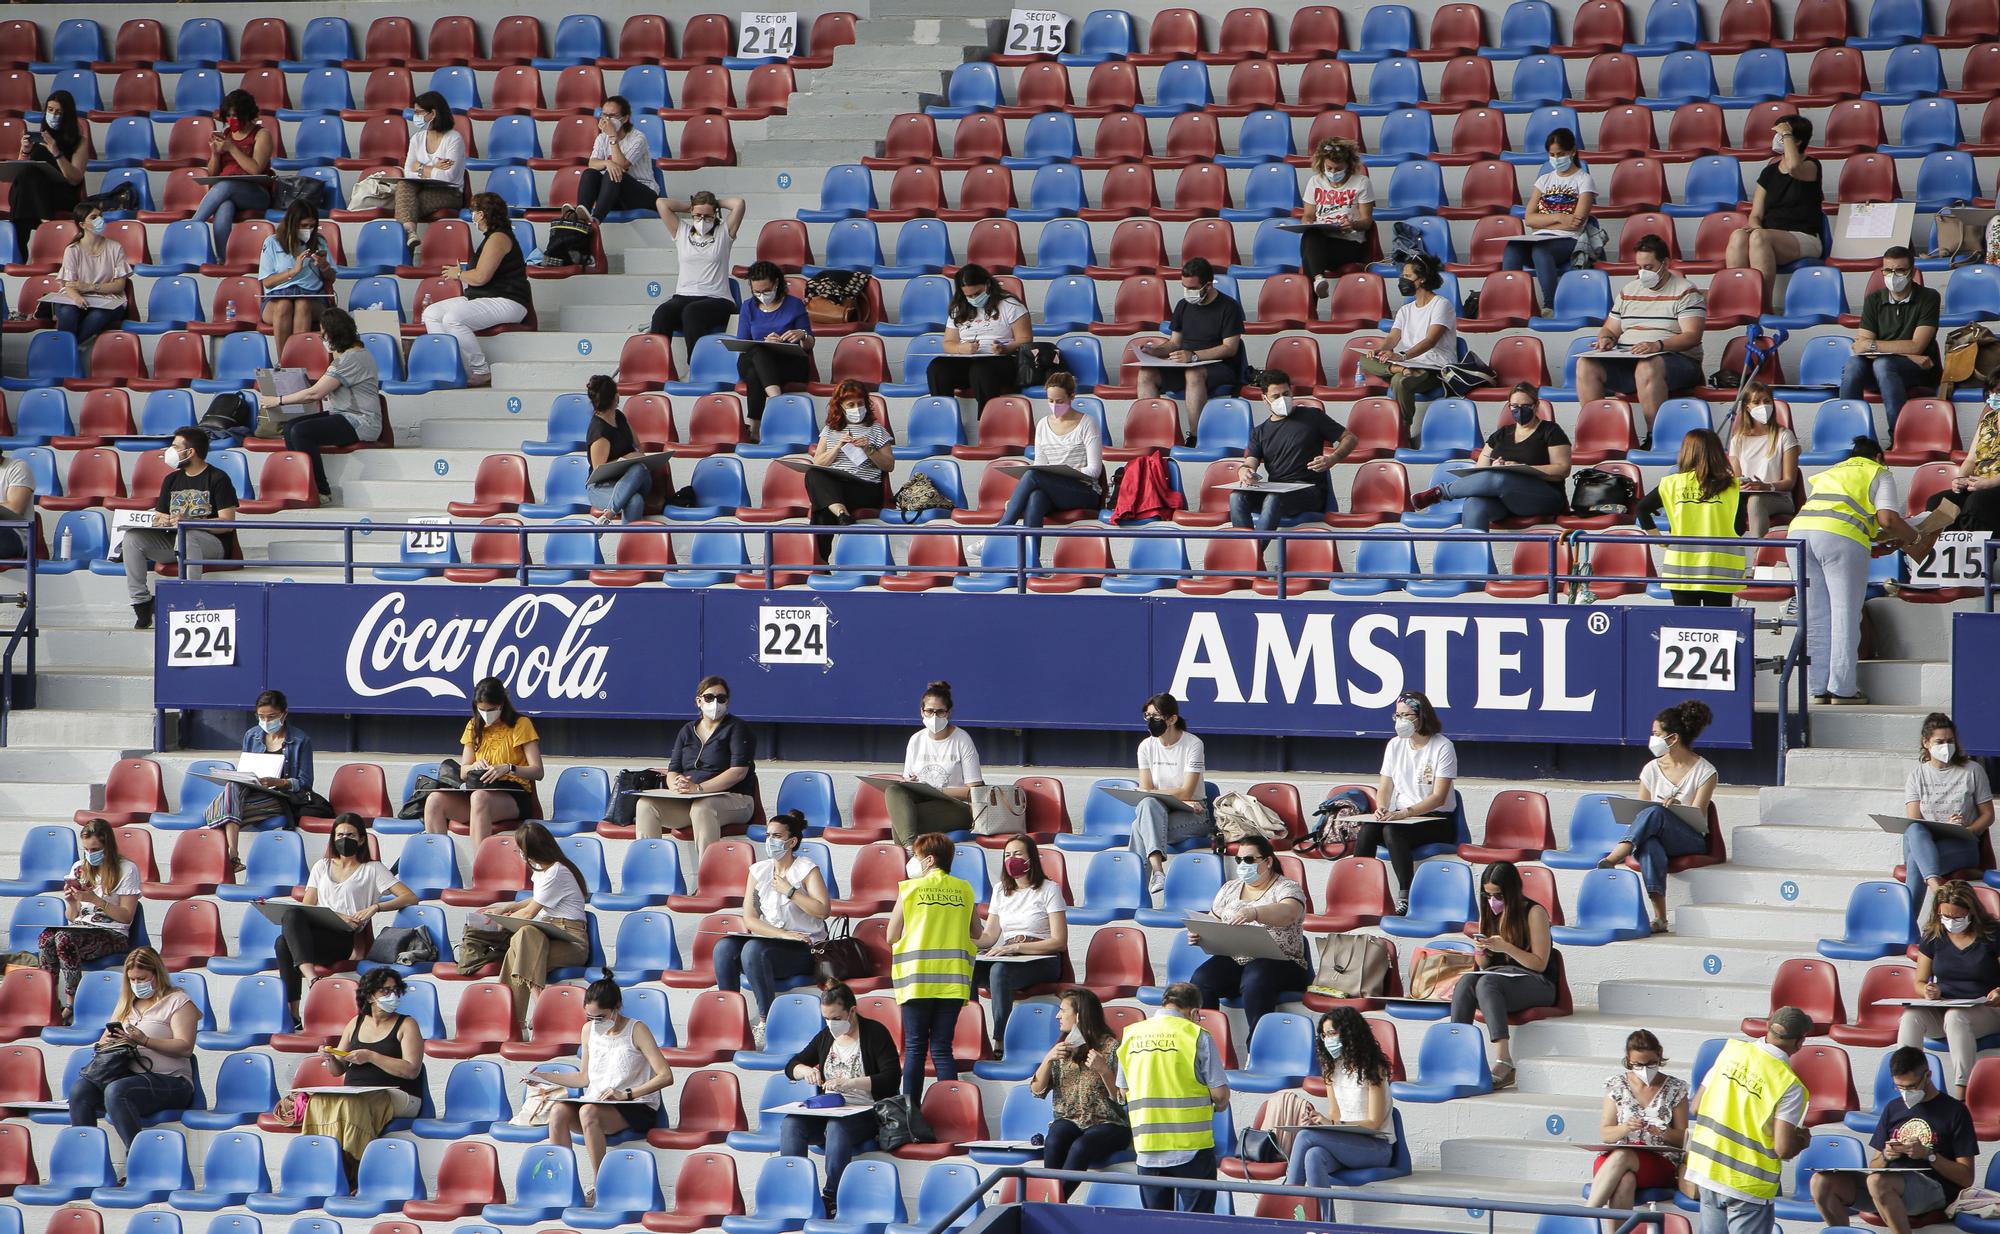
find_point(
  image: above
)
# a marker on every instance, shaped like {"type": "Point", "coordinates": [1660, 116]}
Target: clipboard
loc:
{"type": "Point", "coordinates": [1227, 938]}
{"type": "Point", "coordinates": [1002, 1146]}
{"type": "Point", "coordinates": [1930, 1002]}
{"type": "Point", "coordinates": [1431, 817]}
{"type": "Point", "coordinates": [806, 466]}
{"type": "Point", "coordinates": [1895, 824]}
{"type": "Point", "coordinates": [1267, 486]}
{"type": "Point", "coordinates": [745, 344]}
{"type": "Point", "coordinates": [1146, 360]}
{"type": "Point", "coordinates": [487, 921]}
{"type": "Point", "coordinates": [341, 1090]}
{"type": "Point", "coordinates": [1875, 1169]}
{"type": "Point", "coordinates": [318, 914]}
{"type": "Point", "coordinates": [922, 789]}
{"type": "Point", "coordinates": [1627, 810]}
{"type": "Point", "coordinates": [1133, 796]}
{"type": "Point", "coordinates": [260, 763]}
{"type": "Point", "coordinates": [1018, 470]}
{"type": "Point", "coordinates": [1309, 228]}
{"type": "Point", "coordinates": [226, 179]}
{"type": "Point", "coordinates": [1505, 469]}
{"type": "Point", "coordinates": [230, 777]}
{"type": "Point", "coordinates": [667, 794]}
{"type": "Point", "coordinates": [11, 170]}
{"type": "Point", "coordinates": [60, 1107]}
{"type": "Point", "coordinates": [1661, 1149]}
{"type": "Point", "coordinates": [831, 1111]}
{"type": "Point", "coordinates": [619, 466]}
{"type": "Point", "coordinates": [1616, 353]}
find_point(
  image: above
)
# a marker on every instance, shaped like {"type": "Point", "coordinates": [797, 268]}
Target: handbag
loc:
{"type": "Point", "coordinates": [624, 806]}
{"type": "Point", "coordinates": [835, 297]}
{"type": "Point", "coordinates": [1352, 966]}
{"type": "Point", "coordinates": [288, 190]}
{"type": "Point", "coordinates": [1435, 972]}
{"type": "Point", "coordinates": [290, 1110]}
{"type": "Point", "coordinates": [403, 945]}
{"type": "Point", "coordinates": [1336, 830]}
{"type": "Point", "coordinates": [895, 1124]}
{"type": "Point", "coordinates": [538, 1108]}
{"type": "Point", "coordinates": [1467, 375]}
{"type": "Point", "coordinates": [999, 810]}
{"type": "Point", "coordinates": [1971, 354]}
{"type": "Point", "coordinates": [840, 956]}
{"type": "Point", "coordinates": [920, 494]}
{"type": "Point", "coordinates": [1598, 491]}
{"type": "Point", "coordinates": [1965, 235]}
{"type": "Point", "coordinates": [447, 777]}
{"type": "Point", "coordinates": [1035, 362]}
{"type": "Point", "coordinates": [115, 1062]}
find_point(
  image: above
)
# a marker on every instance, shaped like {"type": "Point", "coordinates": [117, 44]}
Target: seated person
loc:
{"type": "Point", "coordinates": [380, 1049]}
{"type": "Point", "coordinates": [100, 898]}
{"type": "Point", "coordinates": [620, 1072]}
{"type": "Point", "coordinates": [1512, 954]}
{"type": "Point", "coordinates": [786, 905]}
{"type": "Point", "coordinates": [54, 185]}
{"type": "Point", "coordinates": [855, 1059]}
{"type": "Point", "coordinates": [294, 275]}
{"type": "Point", "coordinates": [17, 505]}
{"type": "Point", "coordinates": [942, 755]}
{"type": "Point", "coordinates": [494, 286]}
{"type": "Point", "coordinates": [1659, 316]}
{"type": "Point", "coordinates": [158, 1020]}
{"type": "Point", "coordinates": [609, 438]}
{"type": "Point", "coordinates": [853, 454]}
{"type": "Point", "coordinates": [621, 174]}
{"type": "Point", "coordinates": [985, 329]}
{"type": "Point", "coordinates": [347, 882]}
{"type": "Point", "coordinates": [275, 801]}
{"type": "Point", "coordinates": [1675, 776]}
{"type": "Point", "coordinates": [500, 762]}
{"type": "Point", "coordinates": [1171, 760]}
{"type": "Point", "coordinates": [1957, 959]}
{"type": "Point", "coordinates": [1337, 196]}
{"type": "Point", "coordinates": [94, 273]}
{"type": "Point", "coordinates": [1029, 918]}
{"type": "Point", "coordinates": [771, 315]}
{"type": "Point", "coordinates": [1358, 1130]}
{"type": "Point", "coordinates": [1081, 1070]}
{"type": "Point", "coordinates": [1419, 768]}
{"type": "Point", "coordinates": [1642, 1105]}
{"type": "Point", "coordinates": [556, 896]}
{"type": "Point", "coordinates": [1926, 1144]}
{"type": "Point", "coordinates": [1970, 503]}
{"type": "Point", "coordinates": [1765, 457]}
{"type": "Point", "coordinates": [1207, 327]}
{"type": "Point", "coordinates": [1065, 438]}
{"type": "Point", "coordinates": [1786, 214]}
{"type": "Point", "coordinates": [1422, 341]}
{"type": "Point", "coordinates": [1525, 440]}
{"type": "Point", "coordinates": [349, 395]}
{"type": "Point", "coordinates": [193, 491]}
{"type": "Point", "coordinates": [703, 299]}
{"type": "Point", "coordinates": [433, 176]}
{"type": "Point", "coordinates": [715, 756]}
{"type": "Point", "coordinates": [1558, 211]}
{"type": "Point", "coordinates": [1945, 787]}
{"type": "Point", "coordinates": [1258, 895]}
{"type": "Point", "coordinates": [1895, 347]}
{"type": "Point", "coordinates": [239, 158]}
{"type": "Point", "coordinates": [1289, 446]}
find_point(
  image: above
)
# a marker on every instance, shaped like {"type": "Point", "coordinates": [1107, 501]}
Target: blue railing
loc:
{"type": "Point", "coordinates": [22, 638]}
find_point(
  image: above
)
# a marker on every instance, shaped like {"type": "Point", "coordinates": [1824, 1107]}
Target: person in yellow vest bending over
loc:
{"type": "Point", "coordinates": [1849, 507]}
{"type": "Point", "coordinates": [1749, 1119]}
{"type": "Point", "coordinates": [1701, 498]}
{"type": "Point", "coordinates": [932, 939]}
{"type": "Point", "coordinates": [1171, 1079]}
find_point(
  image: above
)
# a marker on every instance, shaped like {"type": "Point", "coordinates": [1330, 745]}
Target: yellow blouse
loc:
{"type": "Point", "coordinates": [1984, 457]}
{"type": "Point", "coordinates": [498, 744]}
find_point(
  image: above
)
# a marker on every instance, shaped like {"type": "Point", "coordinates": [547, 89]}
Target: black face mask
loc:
{"type": "Point", "coordinates": [1407, 286]}
{"type": "Point", "coordinates": [1156, 725]}
{"type": "Point", "coordinates": [347, 846]}
{"type": "Point", "coordinates": [1524, 413]}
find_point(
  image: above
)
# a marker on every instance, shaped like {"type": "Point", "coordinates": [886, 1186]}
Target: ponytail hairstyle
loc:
{"type": "Point", "coordinates": [941, 691]}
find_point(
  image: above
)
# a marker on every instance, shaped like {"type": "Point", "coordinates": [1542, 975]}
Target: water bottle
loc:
{"type": "Point", "coordinates": [231, 313]}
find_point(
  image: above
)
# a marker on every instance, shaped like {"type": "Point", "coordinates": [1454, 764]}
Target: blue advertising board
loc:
{"type": "Point", "coordinates": [1505, 672]}
{"type": "Point", "coordinates": [1975, 649]}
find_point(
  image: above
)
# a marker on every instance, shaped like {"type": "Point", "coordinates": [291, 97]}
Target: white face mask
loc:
{"type": "Point", "coordinates": [489, 715]}
{"type": "Point", "coordinates": [768, 298]}
{"type": "Point", "coordinates": [1777, 141]}
{"type": "Point", "coordinates": [1281, 406]}
{"type": "Point", "coordinates": [1651, 279]}
{"type": "Point", "coordinates": [704, 225]}
{"type": "Point", "coordinates": [143, 989]}
{"type": "Point", "coordinates": [1897, 283]}
{"type": "Point", "coordinates": [1646, 1074]}
{"type": "Point", "coordinates": [1405, 727]}
{"type": "Point", "coordinates": [1942, 751]}
{"type": "Point", "coordinates": [1334, 1046]}
{"type": "Point", "coordinates": [1910, 1096]}
{"type": "Point", "coordinates": [1193, 295]}
{"type": "Point", "coordinates": [855, 415]}
{"type": "Point", "coordinates": [306, 234]}
{"type": "Point", "coordinates": [1760, 412]}
{"type": "Point", "coordinates": [915, 867]}
{"type": "Point", "coordinates": [51, 118]}
{"type": "Point", "coordinates": [714, 711]}
{"type": "Point", "coordinates": [1562, 163]}
{"type": "Point", "coordinates": [1658, 745]}
{"type": "Point", "coordinates": [172, 457]}
{"type": "Point", "coordinates": [839, 1027]}
{"type": "Point", "coordinates": [936, 724]}
{"type": "Point", "coordinates": [1955, 925]}
{"type": "Point", "coordinates": [1073, 1038]}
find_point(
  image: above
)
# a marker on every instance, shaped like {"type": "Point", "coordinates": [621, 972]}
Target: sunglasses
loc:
{"type": "Point", "coordinates": [715, 698]}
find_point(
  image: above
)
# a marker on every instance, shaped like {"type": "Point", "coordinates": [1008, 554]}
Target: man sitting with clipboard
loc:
{"type": "Point", "coordinates": [1925, 1151]}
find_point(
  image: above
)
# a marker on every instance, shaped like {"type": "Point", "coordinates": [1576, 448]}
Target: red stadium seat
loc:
{"type": "Point", "coordinates": [1736, 298]}
{"type": "Point", "coordinates": [1516, 359]}
{"type": "Point", "coordinates": [1480, 133]}
{"type": "Point", "coordinates": [1876, 1025]}
{"type": "Point", "coordinates": [1140, 304]}
{"type": "Point", "coordinates": [1138, 246]}
{"type": "Point", "coordinates": [1927, 482]}
{"type": "Point", "coordinates": [452, 40]}
{"type": "Point", "coordinates": [1150, 424]}
{"type": "Point", "coordinates": [1518, 828]}
{"type": "Point", "coordinates": [724, 867]}
{"type": "Point", "coordinates": [1113, 86]}
{"type": "Point", "coordinates": [1246, 34]}
{"type": "Point", "coordinates": [267, 86]}
{"type": "Point", "coordinates": [710, 1106]}
{"type": "Point", "coordinates": [1200, 191]}
{"type": "Point", "coordinates": [1324, 85]}
{"type": "Point", "coordinates": [324, 1013]}
{"type": "Point", "coordinates": [1853, 126]}
{"type": "Point", "coordinates": [358, 788]}
{"type": "Point", "coordinates": [1696, 129]}
{"type": "Point", "coordinates": [715, 425]}
{"type": "Point", "coordinates": [199, 864]}
{"type": "Point", "coordinates": [1835, 73]}
{"type": "Point", "coordinates": [1006, 427]}
{"type": "Point", "coordinates": [1192, 137]}
{"type": "Point", "coordinates": [468, 1180]}
{"type": "Point", "coordinates": [262, 41]}
{"type": "Point", "coordinates": [1252, 86]}
{"type": "Point", "coordinates": [1127, 192]}
{"type": "Point", "coordinates": [1380, 490]}
{"type": "Point", "coordinates": [1175, 35]}
{"type": "Point", "coordinates": [285, 483]}
{"type": "Point", "coordinates": [643, 39]}
{"type": "Point", "coordinates": [1116, 963]}
{"type": "Point", "coordinates": [1506, 302]}
{"type": "Point", "coordinates": [191, 935]}
{"type": "Point", "coordinates": [1603, 431]}
{"type": "Point", "coordinates": [1284, 302]}
{"type": "Point", "coordinates": [1092, 554]}
{"type": "Point", "coordinates": [516, 40]}
{"type": "Point", "coordinates": [1979, 77]}
{"type": "Point", "coordinates": [1358, 302]}
{"type": "Point", "coordinates": [1926, 432]}
{"type": "Point", "coordinates": [767, 92]}
{"type": "Point", "coordinates": [1967, 22]}
{"type": "Point", "coordinates": [27, 1006]}
{"type": "Point", "coordinates": [1744, 24]}
{"type": "Point", "coordinates": [1232, 563]}
{"type": "Point", "coordinates": [1042, 86]}
{"type": "Point", "coordinates": [1357, 895]}
{"type": "Point", "coordinates": [498, 871]}
{"type": "Point", "coordinates": [555, 1026]}
{"type": "Point", "coordinates": [1637, 186]}
{"type": "Point", "coordinates": [916, 191]}
{"type": "Point", "coordinates": [1121, 137]}
{"type": "Point", "coordinates": [1625, 131]}
{"type": "Point", "coordinates": [133, 793]}
{"type": "Point", "coordinates": [485, 1022]}
{"type": "Point", "coordinates": [1612, 78]}
{"type": "Point", "coordinates": [995, 244]}
{"type": "Point", "coordinates": [912, 138]}
{"type": "Point", "coordinates": [718, 1025]}
{"type": "Point", "coordinates": [1829, 1081]}
{"type": "Point", "coordinates": [1299, 359]}
{"type": "Point", "coordinates": [390, 40]}
{"type": "Point", "coordinates": [1456, 30]}
{"type": "Point", "coordinates": [1816, 24]}
{"type": "Point", "coordinates": [705, 1191]}
{"type": "Point", "coordinates": [1598, 25]}
{"type": "Point", "coordinates": [501, 486]}
{"type": "Point", "coordinates": [1209, 505]}
{"type": "Point", "coordinates": [1868, 177]}
{"type": "Point", "coordinates": [135, 93]}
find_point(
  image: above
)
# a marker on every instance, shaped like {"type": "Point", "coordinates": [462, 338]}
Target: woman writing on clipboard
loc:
{"type": "Point", "coordinates": [620, 1072]}
{"type": "Point", "coordinates": [274, 801]}
{"type": "Point", "coordinates": [1643, 1105]}
{"type": "Point", "coordinates": [557, 898]}
{"type": "Point", "coordinates": [1419, 767]}
{"type": "Point", "coordinates": [608, 439]}
{"type": "Point", "coordinates": [347, 883]}
{"type": "Point", "coordinates": [1958, 958]}
{"type": "Point", "coordinates": [1945, 787]}
{"type": "Point", "coordinates": [1677, 776]}
{"type": "Point", "coordinates": [380, 1050]}
{"type": "Point", "coordinates": [942, 756]}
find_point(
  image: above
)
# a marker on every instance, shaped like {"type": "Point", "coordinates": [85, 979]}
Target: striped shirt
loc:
{"type": "Point", "coordinates": [861, 468]}
{"type": "Point", "coordinates": [1654, 316]}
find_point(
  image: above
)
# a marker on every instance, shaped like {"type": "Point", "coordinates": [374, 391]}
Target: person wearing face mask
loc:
{"type": "Point", "coordinates": [1852, 509]}
{"type": "Point", "coordinates": [500, 760]}
{"type": "Point", "coordinates": [94, 273]}
{"type": "Point", "coordinates": [1958, 957]}
{"type": "Point", "coordinates": [1972, 501]}
{"type": "Point", "coordinates": [786, 906]}
{"type": "Point", "coordinates": [1289, 446]}
{"type": "Point", "coordinates": [942, 756]}
{"type": "Point", "coordinates": [348, 395]}
{"type": "Point", "coordinates": [353, 885]}
{"type": "Point", "coordinates": [1170, 1078]}
{"type": "Point", "coordinates": [620, 1072]}
{"type": "Point", "coordinates": [557, 898]}
{"type": "Point", "coordinates": [1422, 340]}
{"type": "Point", "coordinates": [1416, 805]}
{"type": "Point", "coordinates": [985, 326]}
{"type": "Point", "coordinates": [1701, 498]}
{"type": "Point", "coordinates": [1948, 789]}
{"type": "Point", "coordinates": [621, 174]}
{"type": "Point", "coordinates": [1925, 1144]}
{"type": "Point", "coordinates": [1174, 761]}
{"type": "Point", "coordinates": [852, 1058]}
{"type": "Point", "coordinates": [380, 1049]}
{"type": "Point", "coordinates": [1514, 964]}
{"type": "Point", "coordinates": [1258, 895]}
{"type": "Point", "coordinates": [192, 491]}
{"type": "Point", "coordinates": [1643, 1105]}
{"type": "Point", "coordinates": [1746, 1120]}
{"type": "Point", "coordinates": [931, 944]}
{"type": "Point", "coordinates": [100, 898]}
{"type": "Point", "coordinates": [495, 288]}
{"type": "Point", "coordinates": [1029, 918]}
{"type": "Point", "coordinates": [1494, 486]}
{"type": "Point", "coordinates": [778, 322]}
{"type": "Point", "coordinates": [1066, 437]}
{"type": "Point", "coordinates": [1764, 454]}
{"type": "Point", "coordinates": [1657, 323]}
{"type": "Point", "coordinates": [54, 186]}
{"type": "Point", "coordinates": [1896, 346]}
{"type": "Point", "coordinates": [17, 505]}
{"type": "Point", "coordinates": [1787, 210]}
{"type": "Point", "coordinates": [704, 230]}
{"type": "Point", "coordinates": [1358, 1130]}
{"type": "Point", "coordinates": [714, 766]}
{"type": "Point", "coordinates": [159, 1019]}
{"type": "Point", "coordinates": [239, 152]}
{"type": "Point", "coordinates": [1558, 210]}
{"type": "Point", "coordinates": [1080, 1074]}
{"type": "Point", "coordinates": [1205, 336]}
{"type": "Point", "coordinates": [295, 274]}
{"type": "Point", "coordinates": [1676, 776]}
{"type": "Point", "coordinates": [1340, 211]}
{"type": "Point", "coordinates": [433, 177]}
{"type": "Point", "coordinates": [609, 438]}
{"type": "Point", "coordinates": [853, 454]}
{"type": "Point", "coordinates": [275, 800]}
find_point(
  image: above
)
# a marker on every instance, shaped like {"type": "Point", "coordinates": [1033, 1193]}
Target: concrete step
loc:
{"type": "Point", "coordinates": [1780, 923]}
{"type": "Point", "coordinates": [1795, 805]}
{"type": "Point", "coordinates": [1908, 683]}
{"type": "Point", "coordinates": [1844, 843]}
{"type": "Point", "coordinates": [1708, 1000]}
{"type": "Point", "coordinates": [64, 729]}
{"type": "Point", "coordinates": [43, 798]}
{"type": "Point", "coordinates": [1831, 766]}
{"type": "Point", "coordinates": [92, 689]}
{"type": "Point", "coordinates": [1798, 887]}
{"type": "Point", "coordinates": [1877, 726]}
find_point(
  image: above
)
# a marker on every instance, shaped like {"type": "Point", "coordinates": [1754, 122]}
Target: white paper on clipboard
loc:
{"type": "Point", "coordinates": [1871, 220]}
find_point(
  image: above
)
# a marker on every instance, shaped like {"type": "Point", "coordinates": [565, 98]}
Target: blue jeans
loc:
{"type": "Point", "coordinates": [1319, 1154]}
{"type": "Point", "coordinates": [1723, 1215]}
{"type": "Point", "coordinates": [1549, 258]}
{"type": "Point", "coordinates": [625, 496]}
{"type": "Point", "coordinates": [842, 1138]}
{"type": "Point", "coordinates": [1891, 375]}
{"type": "Point", "coordinates": [1927, 855]}
{"type": "Point", "coordinates": [1040, 494]}
{"type": "Point", "coordinates": [85, 323]}
{"type": "Point", "coordinates": [1657, 834]}
{"type": "Point", "coordinates": [127, 1100]}
{"type": "Point", "coordinates": [1265, 511]}
{"type": "Point", "coordinates": [1258, 983]}
{"type": "Point", "coordinates": [928, 1025]}
{"type": "Point", "coordinates": [1156, 829]}
{"type": "Point", "coordinates": [1006, 981]}
{"type": "Point", "coordinates": [221, 203]}
{"type": "Point", "coordinates": [1490, 496]}
{"type": "Point", "coordinates": [1174, 1199]}
{"type": "Point", "coordinates": [770, 964]}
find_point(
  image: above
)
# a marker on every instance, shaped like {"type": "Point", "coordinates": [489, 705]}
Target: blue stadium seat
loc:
{"type": "Point", "coordinates": [1114, 886]}
{"type": "Point", "coordinates": [419, 565]}
{"type": "Point", "coordinates": [1069, 304]}
{"type": "Point", "coordinates": [1822, 1152]}
{"type": "Point", "coordinates": [510, 142]}
{"type": "Point", "coordinates": [82, 85]}
{"type": "Point", "coordinates": [1457, 556]}
{"type": "Point", "coordinates": [81, 538]}
{"type": "Point", "coordinates": [1064, 247]}
{"type": "Point", "coordinates": [389, 1177]}
{"type": "Point", "coordinates": [787, 1197]}
{"type": "Point", "coordinates": [128, 142]}
{"type": "Point", "coordinates": [1761, 74]}
{"type": "Point", "coordinates": [1891, 23]}
{"type": "Point", "coordinates": [245, 1087]}
{"type": "Point", "coordinates": [545, 1183]}
{"type": "Point", "coordinates": [433, 364]}
{"type": "Point", "coordinates": [582, 794]}
{"type": "Point", "coordinates": [1193, 878]}
{"type": "Point", "coordinates": [762, 1134]}
{"type": "Point", "coordinates": [870, 1200]}
{"type": "Point", "coordinates": [1540, 80]}
{"type": "Point", "coordinates": [52, 360]}
{"type": "Point", "coordinates": [848, 191]}
{"type": "Point", "coordinates": [29, 918]}
{"type": "Point", "coordinates": [711, 368]}
{"type": "Point", "coordinates": [1928, 125]}
{"type": "Point", "coordinates": [256, 942]}
{"type": "Point", "coordinates": [974, 87]}
{"type": "Point", "coordinates": [1181, 86]}
{"type": "Point", "coordinates": [1222, 432]}
{"type": "Point", "coordinates": [1878, 923]}
{"type": "Point", "coordinates": [516, 187]}
{"type": "Point", "coordinates": [1451, 1063]}
{"type": "Point", "coordinates": [142, 188]}
{"type": "Point", "coordinates": [458, 85]}
{"type": "Point", "coordinates": [1450, 431]}
{"type": "Point", "coordinates": [1528, 27]}
{"type": "Point", "coordinates": [77, 41]}
{"type": "Point", "coordinates": [923, 247]}
{"type": "Point", "coordinates": [1543, 120]}
{"type": "Point", "coordinates": [237, 358]}
{"type": "Point", "coordinates": [1396, 558]}
{"type": "Point", "coordinates": [318, 140]}
{"type": "Point", "coordinates": [163, 412]}
{"type": "Point", "coordinates": [1149, 557]}
{"type": "Point", "coordinates": [197, 92]}
{"type": "Point", "coordinates": [644, 86]}
{"type": "Point", "coordinates": [47, 853]}
{"type": "Point", "coordinates": [1107, 821]}
{"type": "Point", "coordinates": [1265, 137]}
{"type": "Point", "coordinates": [1610, 907]}
{"type": "Point", "coordinates": [1908, 74]}
{"type": "Point", "coordinates": [232, 1170]}
{"type": "Point", "coordinates": [1281, 1055]}
{"type": "Point", "coordinates": [719, 491]}
{"type": "Point", "coordinates": [1676, 419]}
{"type": "Point", "coordinates": [1592, 831]}
{"type": "Point", "coordinates": [1386, 30]}
{"type": "Point", "coordinates": [1085, 361]}
{"type": "Point", "coordinates": [1820, 365]}
{"type": "Point", "coordinates": [1972, 295]}
{"type": "Point", "coordinates": [579, 39]}
{"type": "Point", "coordinates": [1583, 301]}
{"type": "Point", "coordinates": [1269, 192]}
{"type": "Point", "coordinates": [1399, 1162]}
{"type": "Point", "coordinates": [325, 40]}
{"type": "Point", "coordinates": [1272, 252]}
{"type": "Point", "coordinates": [562, 495]}
{"type": "Point", "coordinates": [1814, 296]}
{"type": "Point", "coordinates": [925, 301]}
{"type": "Point", "coordinates": [379, 247]}
{"type": "Point", "coordinates": [195, 795]}
{"type": "Point", "coordinates": [200, 41]}
{"type": "Point", "coordinates": [856, 562]}
{"type": "Point", "coordinates": [1684, 76]}
{"type": "Point", "coordinates": [96, 998]}
{"type": "Point", "coordinates": [1405, 134]}
{"type": "Point", "coordinates": [256, 1006]}
{"type": "Point", "coordinates": [1835, 426]}
{"type": "Point", "coordinates": [321, 92]}
{"type": "Point", "coordinates": [1417, 188]}
{"type": "Point", "coordinates": [1104, 34]}
{"type": "Point", "coordinates": [173, 303]}
{"type": "Point", "coordinates": [1714, 183]}
{"type": "Point", "coordinates": [1031, 1030]}
{"type": "Point", "coordinates": [1047, 138]}
{"type": "Point", "coordinates": [475, 1097]}
{"type": "Point", "coordinates": [1441, 902]}
{"type": "Point", "coordinates": [722, 555]}
{"type": "Point", "coordinates": [1055, 192]}
{"type": "Point", "coordinates": [1394, 83]}
{"type": "Point", "coordinates": [77, 1163]}
{"type": "Point", "coordinates": [1670, 26]}
{"type": "Point", "coordinates": [790, 1022]}
{"type": "Point", "coordinates": [999, 561]}
{"type": "Point", "coordinates": [628, 1187]}
{"type": "Point", "coordinates": [853, 244]}
{"type": "Point", "coordinates": [569, 422]}
{"type": "Point", "coordinates": [917, 357]}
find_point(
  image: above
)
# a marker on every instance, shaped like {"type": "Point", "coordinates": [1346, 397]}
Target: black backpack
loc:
{"type": "Point", "coordinates": [1602, 492]}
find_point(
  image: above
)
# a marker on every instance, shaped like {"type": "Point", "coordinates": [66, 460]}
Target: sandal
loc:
{"type": "Point", "coordinates": [1503, 1076]}
{"type": "Point", "coordinates": [1660, 927]}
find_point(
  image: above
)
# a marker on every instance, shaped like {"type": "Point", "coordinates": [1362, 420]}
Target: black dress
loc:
{"type": "Point", "coordinates": [41, 193]}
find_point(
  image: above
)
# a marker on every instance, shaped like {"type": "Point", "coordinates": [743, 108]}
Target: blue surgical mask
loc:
{"type": "Point", "coordinates": [272, 726]}
{"type": "Point", "coordinates": [774, 848]}
{"type": "Point", "coordinates": [387, 1003]}
{"type": "Point", "coordinates": [978, 301]}
{"type": "Point", "coordinates": [143, 989]}
{"type": "Point", "coordinates": [1334, 1046]}
{"type": "Point", "coordinates": [1993, 401]}
{"type": "Point", "coordinates": [1562, 162]}
{"type": "Point", "coordinates": [96, 224]}
{"type": "Point", "coordinates": [95, 856]}
{"type": "Point", "coordinates": [1247, 871]}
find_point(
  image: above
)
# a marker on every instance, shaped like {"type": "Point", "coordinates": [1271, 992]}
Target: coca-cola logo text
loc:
{"type": "Point", "coordinates": [538, 644]}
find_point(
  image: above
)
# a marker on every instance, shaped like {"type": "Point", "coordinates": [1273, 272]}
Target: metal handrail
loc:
{"type": "Point", "coordinates": [25, 630]}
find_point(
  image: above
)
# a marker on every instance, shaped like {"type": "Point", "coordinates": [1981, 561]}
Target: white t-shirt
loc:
{"type": "Point", "coordinates": [637, 151]}
{"type": "Point", "coordinates": [1170, 765]}
{"type": "Point", "coordinates": [1026, 910]}
{"type": "Point", "coordinates": [1082, 447]}
{"type": "Point", "coordinates": [704, 261]}
{"type": "Point", "coordinates": [1333, 204]}
{"type": "Point", "coordinates": [998, 328]}
{"type": "Point", "coordinates": [425, 161]}
{"type": "Point", "coordinates": [1761, 456]}
{"type": "Point", "coordinates": [1414, 771]}
{"type": "Point", "coordinates": [1560, 192]}
{"type": "Point", "coordinates": [951, 763]}
{"type": "Point", "coordinates": [1414, 323]}
{"type": "Point", "coordinates": [128, 885]}
{"type": "Point", "coordinates": [1883, 493]}
{"type": "Point", "coordinates": [1350, 1093]}
{"type": "Point", "coordinates": [1660, 786]}
{"type": "Point", "coordinates": [558, 892]}
{"type": "Point", "coordinates": [15, 474]}
{"type": "Point", "coordinates": [362, 889]}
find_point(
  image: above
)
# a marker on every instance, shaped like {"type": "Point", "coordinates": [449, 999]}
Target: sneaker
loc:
{"type": "Point", "coordinates": [1426, 499]}
{"type": "Point", "coordinates": [1856, 699]}
{"type": "Point", "coordinates": [1156, 884]}
{"type": "Point", "coordinates": [479, 381]}
{"type": "Point", "coordinates": [1322, 288]}
{"type": "Point", "coordinates": [142, 615]}
{"type": "Point", "coordinates": [757, 1035]}
{"type": "Point", "coordinates": [1402, 906]}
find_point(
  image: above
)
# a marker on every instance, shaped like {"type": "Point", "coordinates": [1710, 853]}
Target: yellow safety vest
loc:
{"type": "Point", "coordinates": [933, 958]}
{"type": "Point", "coordinates": [1706, 568]}
{"type": "Point", "coordinates": [1169, 1107]}
{"type": "Point", "coordinates": [1729, 1139]}
{"type": "Point", "coordinates": [1838, 502]}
